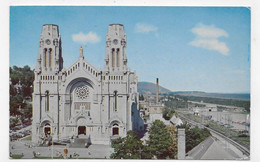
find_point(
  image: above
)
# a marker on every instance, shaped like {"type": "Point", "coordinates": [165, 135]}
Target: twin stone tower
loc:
{"type": "Point", "coordinates": [82, 101]}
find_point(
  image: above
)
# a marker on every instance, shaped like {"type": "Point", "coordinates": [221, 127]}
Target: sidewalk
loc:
{"type": "Point", "coordinates": [93, 151]}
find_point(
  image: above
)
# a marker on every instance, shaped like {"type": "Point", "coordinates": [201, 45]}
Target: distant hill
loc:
{"type": "Point", "coordinates": [148, 87]}
{"type": "Point", "coordinates": [239, 96]}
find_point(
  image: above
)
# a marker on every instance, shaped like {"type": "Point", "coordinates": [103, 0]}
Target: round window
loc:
{"type": "Point", "coordinates": [82, 92]}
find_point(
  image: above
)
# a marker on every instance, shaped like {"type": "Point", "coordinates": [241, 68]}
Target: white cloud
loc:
{"type": "Point", "coordinates": [145, 28]}
{"type": "Point", "coordinates": [90, 37]}
{"type": "Point", "coordinates": [207, 38]}
{"type": "Point", "coordinates": [211, 44]}
{"type": "Point", "coordinates": [209, 31]}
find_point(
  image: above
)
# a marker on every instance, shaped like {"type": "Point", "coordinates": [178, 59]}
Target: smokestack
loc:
{"type": "Point", "coordinates": [157, 90]}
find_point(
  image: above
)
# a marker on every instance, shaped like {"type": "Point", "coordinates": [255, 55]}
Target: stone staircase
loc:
{"type": "Point", "coordinates": [80, 142]}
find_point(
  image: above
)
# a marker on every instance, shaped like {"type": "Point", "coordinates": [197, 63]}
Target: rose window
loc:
{"type": "Point", "coordinates": [82, 92]}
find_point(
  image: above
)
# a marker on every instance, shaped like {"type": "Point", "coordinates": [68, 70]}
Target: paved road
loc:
{"type": "Point", "coordinates": [217, 152]}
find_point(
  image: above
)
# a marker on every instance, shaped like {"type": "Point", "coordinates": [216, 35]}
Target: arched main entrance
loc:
{"type": "Point", "coordinates": [47, 129]}
{"type": "Point", "coordinates": [81, 130]}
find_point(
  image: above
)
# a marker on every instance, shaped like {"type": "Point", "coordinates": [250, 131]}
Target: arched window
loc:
{"type": "Point", "coordinates": [115, 129]}
{"type": "Point", "coordinates": [45, 57]}
{"type": "Point", "coordinates": [50, 57]}
{"type": "Point", "coordinates": [118, 57]}
{"type": "Point", "coordinates": [113, 57]}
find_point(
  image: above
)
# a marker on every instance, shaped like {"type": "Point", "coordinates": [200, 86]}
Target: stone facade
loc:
{"type": "Point", "coordinates": [83, 100]}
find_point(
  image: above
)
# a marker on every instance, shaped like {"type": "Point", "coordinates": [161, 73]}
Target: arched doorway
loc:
{"type": "Point", "coordinates": [47, 129]}
{"type": "Point", "coordinates": [82, 130]}
{"type": "Point", "coordinates": [115, 130]}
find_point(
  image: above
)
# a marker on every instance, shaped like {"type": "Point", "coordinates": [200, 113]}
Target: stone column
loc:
{"type": "Point", "coordinates": [181, 144]}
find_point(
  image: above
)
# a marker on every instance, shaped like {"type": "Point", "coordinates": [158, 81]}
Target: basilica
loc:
{"type": "Point", "coordinates": [82, 101]}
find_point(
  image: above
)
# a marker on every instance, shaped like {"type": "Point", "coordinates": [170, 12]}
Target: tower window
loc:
{"type": "Point", "coordinates": [50, 57]}
{"type": "Point", "coordinates": [113, 57]}
{"type": "Point", "coordinates": [118, 57]}
{"type": "Point", "coordinates": [45, 57]}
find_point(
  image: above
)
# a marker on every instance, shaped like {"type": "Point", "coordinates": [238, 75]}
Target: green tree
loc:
{"type": "Point", "coordinates": [128, 147]}
{"type": "Point", "coordinates": [27, 112]}
{"type": "Point", "coordinates": [168, 113]}
{"type": "Point", "coordinates": [25, 75]}
{"type": "Point", "coordinates": [17, 100]}
{"type": "Point", "coordinates": [159, 140]}
{"type": "Point", "coordinates": [173, 148]}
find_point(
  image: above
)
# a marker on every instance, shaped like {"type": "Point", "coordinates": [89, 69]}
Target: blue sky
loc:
{"type": "Point", "coordinates": [188, 48]}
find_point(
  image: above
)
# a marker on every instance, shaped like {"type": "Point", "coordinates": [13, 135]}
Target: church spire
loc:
{"type": "Point", "coordinates": [81, 52]}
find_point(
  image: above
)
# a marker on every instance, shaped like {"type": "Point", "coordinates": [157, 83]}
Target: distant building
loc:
{"type": "Point", "coordinates": [82, 100]}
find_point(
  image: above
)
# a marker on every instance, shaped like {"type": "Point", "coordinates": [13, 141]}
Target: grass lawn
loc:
{"type": "Point", "coordinates": [16, 156]}
{"type": "Point", "coordinates": [28, 138]}
{"type": "Point", "coordinates": [245, 140]}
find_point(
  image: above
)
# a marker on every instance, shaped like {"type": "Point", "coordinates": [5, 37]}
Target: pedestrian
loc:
{"type": "Point", "coordinates": [65, 152]}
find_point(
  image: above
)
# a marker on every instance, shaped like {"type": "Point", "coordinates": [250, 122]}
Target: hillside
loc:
{"type": "Point", "coordinates": [148, 87]}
